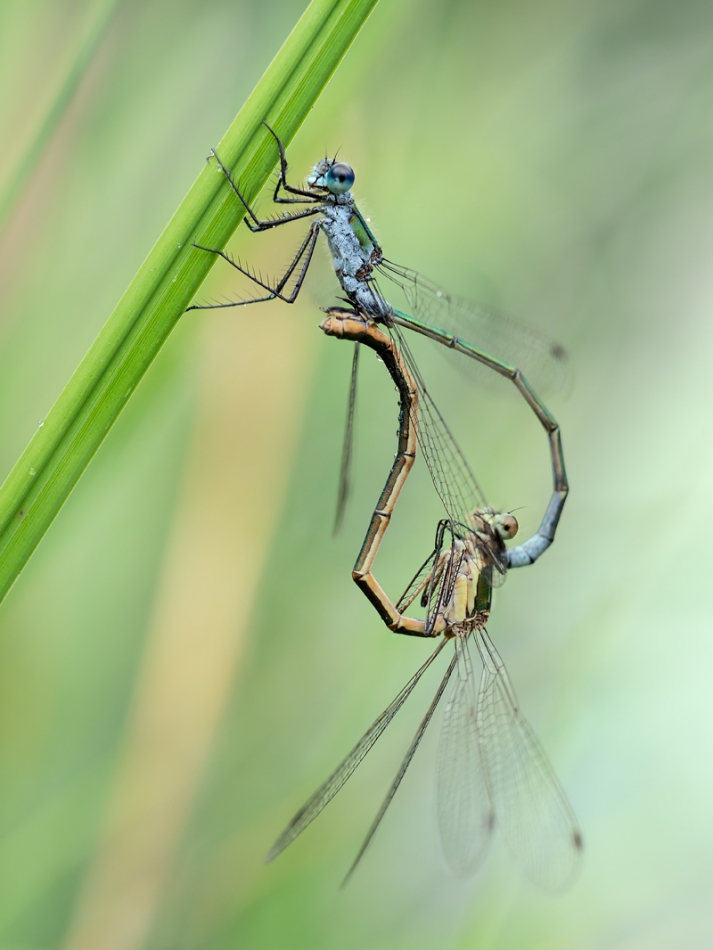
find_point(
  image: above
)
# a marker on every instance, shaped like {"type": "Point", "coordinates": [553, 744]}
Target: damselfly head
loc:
{"type": "Point", "coordinates": [335, 177]}
{"type": "Point", "coordinates": [502, 523]}
{"type": "Point", "coordinates": [505, 525]}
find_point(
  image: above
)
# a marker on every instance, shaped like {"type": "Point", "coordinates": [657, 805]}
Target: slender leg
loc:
{"type": "Point", "coordinates": [304, 254]}
{"type": "Point", "coordinates": [427, 573]}
{"type": "Point", "coordinates": [252, 221]}
{"type": "Point", "coordinates": [427, 581]}
{"type": "Point", "coordinates": [282, 179]}
{"type": "Point", "coordinates": [421, 586]}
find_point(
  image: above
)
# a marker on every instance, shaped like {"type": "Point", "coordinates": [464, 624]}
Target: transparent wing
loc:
{"type": "Point", "coordinates": [326, 792]}
{"type": "Point", "coordinates": [544, 362]}
{"type": "Point", "coordinates": [497, 578]}
{"type": "Point", "coordinates": [493, 568]}
{"type": "Point", "coordinates": [345, 469]}
{"type": "Point", "coordinates": [465, 815]}
{"type": "Point", "coordinates": [411, 751]}
{"type": "Point", "coordinates": [452, 476]}
{"type": "Point", "coordinates": [530, 805]}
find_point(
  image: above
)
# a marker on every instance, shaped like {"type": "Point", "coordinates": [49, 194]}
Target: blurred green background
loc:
{"type": "Point", "coordinates": [185, 657]}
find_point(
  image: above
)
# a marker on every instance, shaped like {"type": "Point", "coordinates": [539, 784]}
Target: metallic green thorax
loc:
{"type": "Point", "coordinates": [363, 232]}
{"type": "Point", "coordinates": [483, 592]}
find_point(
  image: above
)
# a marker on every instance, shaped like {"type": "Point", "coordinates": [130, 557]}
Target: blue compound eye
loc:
{"type": "Point", "coordinates": [339, 178]}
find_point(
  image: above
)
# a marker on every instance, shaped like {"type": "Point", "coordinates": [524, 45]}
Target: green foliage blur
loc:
{"type": "Point", "coordinates": [185, 657]}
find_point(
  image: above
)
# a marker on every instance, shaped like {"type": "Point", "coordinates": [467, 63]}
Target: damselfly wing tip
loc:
{"type": "Point", "coordinates": [348, 876]}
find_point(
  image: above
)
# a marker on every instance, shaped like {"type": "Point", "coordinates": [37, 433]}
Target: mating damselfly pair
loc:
{"type": "Point", "coordinates": [491, 768]}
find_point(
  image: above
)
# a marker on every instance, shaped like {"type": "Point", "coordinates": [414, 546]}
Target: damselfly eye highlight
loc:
{"type": "Point", "coordinates": [506, 525]}
{"type": "Point", "coordinates": [339, 178]}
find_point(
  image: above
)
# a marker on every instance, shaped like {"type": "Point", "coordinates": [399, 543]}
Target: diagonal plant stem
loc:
{"type": "Point", "coordinates": [63, 446]}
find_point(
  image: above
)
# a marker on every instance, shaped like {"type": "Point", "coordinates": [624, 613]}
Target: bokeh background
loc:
{"type": "Point", "coordinates": [185, 657]}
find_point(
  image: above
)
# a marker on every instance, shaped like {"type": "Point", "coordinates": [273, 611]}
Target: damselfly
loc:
{"type": "Point", "coordinates": [518, 353]}
{"type": "Point", "coordinates": [455, 583]}
{"type": "Point", "coordinates": [491, 767]}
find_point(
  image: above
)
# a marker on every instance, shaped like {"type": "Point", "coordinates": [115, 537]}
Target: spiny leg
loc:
{"type": "Point", "coordinates": [304, 253]}
{"type": "Point", "coordinates": [266, 225]}
{"type": "Point", "coordinates": [307, 196]}
{"type": "Point", "coordinates": [435, 589]}
{"type": "Point", "coordinates": [432, 582]}
{"type": "Point", "coordinates": [419, 586]}
{"type": "Point", "coordinates": [432, 566]}
{"type": "Point", "coordinates": [442, 578]}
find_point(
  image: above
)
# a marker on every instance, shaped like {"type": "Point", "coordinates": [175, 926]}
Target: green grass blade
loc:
{"type": "Point", "coordinates": [50, 466]}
